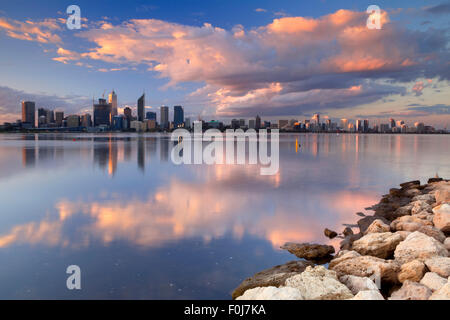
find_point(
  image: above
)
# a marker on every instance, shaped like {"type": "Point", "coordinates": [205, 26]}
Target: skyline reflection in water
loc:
{"type": "Point", "coordinates": [142, 227]}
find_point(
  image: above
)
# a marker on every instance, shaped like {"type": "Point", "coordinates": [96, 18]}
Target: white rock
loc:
{"type": "Point", "coordinates": [439, 265]}
{"type": "Point", "coordinates": [357, 284]}
{"type": "Point", "coordinates": [433, 281]}
{"type": "Point", "coordinates": [443, 293]}
{"type": "Point", "coordinates": [368, 295]}
{"type": "Point", "coordinates": [441, 218]}
{"type": "Point", "coordinates": [381, 245]}
{"type": "Point", "coordinates": [319, 283]}
{"type": "Point", "coordinates": [378, 226]}
{"type": "Point", "coordinates": [447, 243]}
{"type": "Point", "coordinates": [411, 291]}
{"type": "Point", "coordinates": [271, 293]}
{"type": "Point", "coordinates": [418, 246]}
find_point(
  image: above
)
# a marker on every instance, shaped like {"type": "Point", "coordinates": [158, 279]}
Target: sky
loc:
{"type": "Point", "coordinates": [231, 59]}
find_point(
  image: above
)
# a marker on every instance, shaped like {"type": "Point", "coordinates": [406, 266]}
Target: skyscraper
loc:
{"type": "Point", "coordinates": [150, 115]}
{"type": "Point", "coordinates": [359, 127]}
{"type": "Point", "coordinates": [392, 123]}
{"type": "Point", "coordinates": [316, 119]}
{"type": "Point", "coordinates": [112, 100]}
{"type": "Point", "coordinates": [102, 113]}
{"type": "Point", "coordinates": [141, 108]}
{"type": "Point", "coordinates": [257, 123]}
{"type": "Point", "coordinates": [165, 117]}
{"type": "Point", "coordinates": [178, 116]}
{"type": "Point", "coordinates": [29, 113]}
{"type": "Point", "coordinates": [366, 126]}
{"type": "Point", "coordinates": [59, 117]}
{"type": "Point", "coordinates": [344, 124]}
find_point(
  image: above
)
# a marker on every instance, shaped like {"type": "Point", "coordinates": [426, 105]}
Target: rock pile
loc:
{"type": "Point", "coordinates": [400, 253]}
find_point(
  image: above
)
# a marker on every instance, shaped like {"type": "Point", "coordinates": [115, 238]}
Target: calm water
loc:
{"type": "Point", "coordinates": [141, 227]}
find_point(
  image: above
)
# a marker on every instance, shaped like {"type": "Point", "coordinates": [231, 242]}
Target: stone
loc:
{"type": "Point", "coordinates": [441, 218]}
{"type": "Point", "coordinates": [357, 284]}
{"type": "Point", "coordinates": [428, 198]}
{"type": "Point", "coordinates": [271, 293]}
{"type": "Point", "coordinates": [419, 206]}
{"type": "Point", "coordinates": [308, 251]}
{"type": "Point", "coordinates": [274, 277]}
{"type": "Point", "coordinates": [395, 192]}
{"type": "Point", "coordinates": [447, 243]}
{"type": "Point", "coordinates": [412, 192]}
{"type": "Point", "coordinates": [368, 295]}
{"type": "Point", "coordinates": [365, 222]}
{"type": "Point", "coordinates": [418, 246]}
{"type": "Point", "coordinates": [411, 291]}
{"type": "Point", "coordinates": [368, 266]}
{"type": "Point", "coordinates": [318, 283]}
{"type": "Point", "coordinates": [432, 180]}
{"type": "Point", "coordinates": [443, 293]}
{"type": "Point", "coordinates": [413, 271]}
{"type": "Point", "coordinates": [347, 232]}
{"type": "Point", "coordinates": [439, 265]}
{"type": "Point", "coordinates": [347, 243]}
{"type": "Point", "coordinates": [360, 214]}
{"type": "Point", "coordinates": [409, 223]}
{"type": "Point", "coordinates": [378, 226]}
{"type": "Point", "coordinates": [442, 195]}
{"type": "Point", "coordinates": [403, 211]}
{"type": "Point", "coordinates": [381, 245]}
{"type": "Point", "coordinates": [330, 233]}
{"type": "Point", "coordinates": [410, 184]}
{"type": "Point", "coordinates": [343, 255]}
{"type": "Point", "coordinates": [433, 281]}
{"type": "Point", "coordinates": [433, 232]}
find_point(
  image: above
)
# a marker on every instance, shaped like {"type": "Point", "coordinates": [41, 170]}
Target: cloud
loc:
{"type": "Point", "coordinates": [260, 10]}
{"type": "Point", "coordinates": [443, 8]}
{"type": "Point", "coordinates": [43, 31]}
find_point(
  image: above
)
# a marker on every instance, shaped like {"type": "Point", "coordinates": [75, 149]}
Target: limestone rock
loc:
{"type": "Point", "coordinates": [409, 223]}
{"type": "Point", "coordinates": [411, 291]}
{"type": "Point", "coordinates": [343, 255]}
{"type": "Point", "coordinates": [274, 277]}
{"type": "Point", "coordinates": [418, 246]}
{"type": "Point", "coordinates": [368, 295]}
{"type": "Point", "coordinates": [428, 198]}
{"type": "Point", "coordinates": [433, 281]}
{"type": "Point", "coordinates": [319, 283]}
{"type": "Point", "coordinates": [308, 251]}
{"type": "Point", "coordinates": [447, 243]}
{"type": "Point", "coordinates": [381, 245]}
{"type": "Point", "coordinates": [410, 184]}
{"type": "Point", "coordinates": [368, 266]}
{"type": "Point", "coordinates": [441, 218]}
{"type": "Point", "coordinates": [419, 206]}
{"type": "Point", "coordinates": [330, 233]}
{"type": "Point", "coordinates": [365, 222]}
{"type": "Point", "coordinates": [439, 265]}
{"type": "Point", "coordinates": [378, 226]}
{"type": "Point", "coordinates": [442, 195]}
{"type": "Point", "coordinates": [357, 284]}
{"type": "Point", "coordinates": [443, 293]}
{"type": "Point", "coordinates": [412, 271]}
{"type": "Point", "coordinates": [271, 293]}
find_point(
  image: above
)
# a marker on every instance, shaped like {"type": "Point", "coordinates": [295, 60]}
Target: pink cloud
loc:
{"type": "Point", "coordinates": [40, 31]}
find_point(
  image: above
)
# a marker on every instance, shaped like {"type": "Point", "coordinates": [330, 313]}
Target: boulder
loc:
{"type": "Point", "coordinates": [428, 198]}
{"type": "Point", "coordinates": [412, 271]}
{"type": "Point", "coordinates": [412, 192]}
{"type": "Point", "coordinates": [418, 246]}
{"type": "Point", "coordinates": [368, 266]}
{"type": "Point", "coordinates": [341, 256]}
{"type": "Point", "coordinates": [307, 250]}
{"type": "Point", "coordinates": [443, 293]}
{"type": "Point", "coordinates": [271, 293]}
{"type": "Point", "coordinates": [433, 281]}
{"type": "Point", "coordinates": [357, 284]}
{"type": "Point", "coordinates": [403, 211]}
{"type": "Point", "coordinates": [409, 223]}
{"type": "Point", "coordinates": [368, 295]}
{"type": "Point", "coordinates": [419, 206]}
{"type": "Point", "coordinates": [410, 184]}
{"type": "Point", "coordinates": [274, 277]}
{"type": "Point", "coordinates": [439, 265]}
{"type": "Point", "coordinates": [442, 195]}
{"type": "Point", "coordinates": [381, 245]}
{"type": "Point", "coordinates": [411, 291]}
{"type": "Point", "coordinates": [347, 232]}
{"type": "Point", "coordinates": [347, 243]}
{"type": "Point", "coordinates": [319, 283]}
{"type": "Point", "coordinates": [447, 243]}
{"type": "Point", "coordinates": [330, 233]}
{"type": "Point", "coordinates": [378, 226]}
{"type": "Point", "coordinates": [441, 217]}
{"type": "Point", "coordinates": [365, 222]}
{"type": "Point", "coordinates": [432, 180]}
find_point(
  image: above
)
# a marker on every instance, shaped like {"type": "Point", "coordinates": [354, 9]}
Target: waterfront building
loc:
{"type": "Point", "coordinates": [235, 124]}
{"type": "Point", "coordinates": [257, 123]}
{"type": "Point", "coordinates": [178, 116]}
{"type": "Point", "coordinates": [150, 115]}
{"type": "Point", "coordinates": [102, 113]}
{"type": "Point", "coordinates": [251, 124]}
{"type": "Point", "coordinates": [59, 117]}
{"type": "Point", "coordinates": [73, 121]}
{"type": "Point", "coordinates": [344, 124]}
{"type": "Point", "coordinates": [86, 120]}
{"type": "Point", "coordinates": [141, 108]}
{"type": "Point", "coordinates": [282, 123]}
{"type": "Point", "coordinates": [112, 100]}
{"type": "Point", "coordinates": [392, 123]}
{"type": "Point", "coordinates": [164, 117]}
{"type": "Point", "coordinates": [359, 127]}
{"type": "Point", "coordinates": [366, 125]}
{"type": "Point", "coordinates": [29, 113]}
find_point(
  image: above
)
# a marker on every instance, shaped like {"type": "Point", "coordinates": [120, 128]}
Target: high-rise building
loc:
{"type": "Point", "coordinates": [178, 116]}
{"type": "Point", "coordinates": [392, 123]}
{"type": "Point", "coordinates": [112, 100]}
{"type": "Point", "coordinates": [141, 107]}
{"type": "Point", "coordinates": [316, 119]}
{"type": "Point", "coordinates": [344, 124]}
{"type": "Point", "coordinates": [251, 124]}
{"type": "Point", "coordinates": [164, 117]}
{"type": "Point", "coordinates": [73, 121]}
{"type": "Point", "coordinates": [59, 117]}
{"type": "Point", "coordinates": [235, 123]}
{"type": "Point", "coordinates": [257, 123]}
{"type": "Point", "coordinates": [187, 123]}
{"type": "Point", "coordinates": [50, 116]}
{"type": "Point", "coordinates": [102, 113]}
{"type": "Point", "coordinates": [86, 120]}
{"type": "Point", "coordinates": [150, 115]}
{"type": "Point", "coordinates": [29, 113]}
{"type": "Point", "coordinates": [359, 127]}
{"type": "Point", "coordinates": [366, 125]}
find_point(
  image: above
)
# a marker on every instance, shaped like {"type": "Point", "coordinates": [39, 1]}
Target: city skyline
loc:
{"type": "Point", "coordinates": [261, 59]}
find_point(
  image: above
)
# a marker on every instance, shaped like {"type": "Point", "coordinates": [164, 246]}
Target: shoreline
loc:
{"type": "Point", "coordinates": [401, 252]}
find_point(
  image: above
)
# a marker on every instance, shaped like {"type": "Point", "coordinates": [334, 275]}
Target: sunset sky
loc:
{"type": "Point", "coordinates": [231, 59]}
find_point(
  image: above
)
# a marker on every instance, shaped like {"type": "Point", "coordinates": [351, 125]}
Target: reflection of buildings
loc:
{"type": "Point", "coordinates": [106, 156]}
{"type": "Point", "coordinates": [141, 153]}
{"type": "Point", "coordinates": [164, 150]}
{"type": "Point", "coordinates": [28, 156]}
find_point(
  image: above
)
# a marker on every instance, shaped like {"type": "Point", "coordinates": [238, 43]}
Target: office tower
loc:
{"type": "Point", "coordinates": [344, 124]}
{"type": "Point", "coordinates": [127, 113]}
{"type": "Point", "coordinates": [187, 123]}
{"type": "Point", "coordinates": [112, 100]}
{"type": "Point", "coordinates": [42, 112]}
{"type": "Point", "coordinates": [29, 113]}
{"type": "Point", "coordinates": [141, 107]}
{"type": "Point", "coordinates": [86, 120]}
{"type": "Point", "coordinates": [178, 116]}
{"type": "Point", "coordinates": [366, 126]}
{"type": "Point", "coordinates": [257, 123]}
{"type": "Point", "coordinates": [50, 116]}
{"type": "Point", "coordinates": [118, 122]}
{"type": "Point", "coordinates": [359, 125]}
{"type": "Point", "coordinates": [73, 121]}
{"type": "Point", "coordinates": [420, 127]}
{"type": "Point", "coordinates": [251, 124]}
{"type": "Point", "coordinates": [392, 123]}
{"type": "Point", "coordinates": [150, 115]}
{"type": "Point", "coordinates": [42, 121]}
{"type": "Point", "coordinates": [235, 124]}
{"type": "Point", "coordinates": [328, 124]}
{"type": "Point", "coordinates": [241, 123]}
{"type": "Point", "coordinates": [59, 117]}
{"type": "Point", "coordinates": [164, 117]}
{"type": "Point", "coordinates": [316, 119]}
{"type": "Point", "coordinates": [102, 113]}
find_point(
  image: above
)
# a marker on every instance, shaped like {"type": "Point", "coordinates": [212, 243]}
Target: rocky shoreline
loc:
{"type": "Point", "coordinates": [401, 252]}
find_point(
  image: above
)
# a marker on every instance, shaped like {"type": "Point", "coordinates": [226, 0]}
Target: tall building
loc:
{"type": "Point", "coordinates": [102, 113]}
{"type": "Point", "coordinates": [164, 117]}
{"type": "Point", "coordinates": [392, 123]}
{"type": "Point", "coordinates": [86, 120]}
{"type": "Point", "coordinates": [178, 116]}
{"type": "Point", "coordinates": [73, 121]}
{"type": "Point", "coordinates": [50, 116]}
{"type": "Point", "coordinates": [344, 124]}
{"type": "Point", "coordinates": [141, 108]}
{"type": "Point", "coordinates": [59, 117]}
{"type": "Point", "coordinates": [359, 127]}
{"type": "Point", "coordinates": [257, 123]}
{"type": "Point", "coordinates": [112, 100]}
{"type": "Point", "coordinates": [366, 125]}
{"type": "Point", "coordinates": [150, 115]}
{"type": "Point", "coordinates": [29, 113]}
{"type": "Point", "coordinates": [316, 119]}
